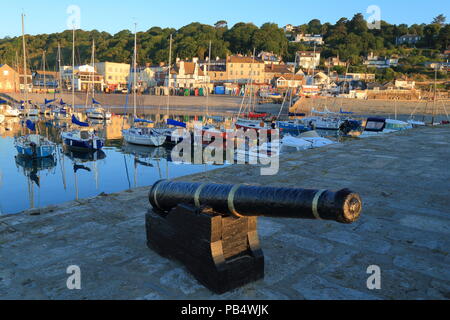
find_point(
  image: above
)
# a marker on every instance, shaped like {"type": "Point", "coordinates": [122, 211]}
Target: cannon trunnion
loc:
{"type": "Point", "coordinates": [212, 228]}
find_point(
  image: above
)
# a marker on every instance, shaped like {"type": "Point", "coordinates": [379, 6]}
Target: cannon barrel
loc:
{"type": "Point", "coordinates": [240, 200]}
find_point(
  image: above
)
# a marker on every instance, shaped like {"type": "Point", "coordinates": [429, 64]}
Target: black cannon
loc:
{"type": "Point", "coordinates": [212, 228]}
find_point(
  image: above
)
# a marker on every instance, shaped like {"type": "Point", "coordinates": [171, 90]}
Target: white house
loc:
{"type": "Point", "coordinates": [309, 38]}
{"type": "Point", "coordinates": [408, 39]}
{"type": "Point", "coordinates": [380, 62]}
{"type": "Point", "coordinates": [308, 59]}
{"type": "Point", "coordinates": [189, 75]}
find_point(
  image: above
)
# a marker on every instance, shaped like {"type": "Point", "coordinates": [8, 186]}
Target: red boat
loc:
{"type": "Point", "coordinates": [257, 115]}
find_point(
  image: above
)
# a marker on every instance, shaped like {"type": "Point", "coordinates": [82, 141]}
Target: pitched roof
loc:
{"type": "Point", "coordinates": [277, 68]}
{"type": "Point", "coordinates": [189, 68]}
{"type": "Point", "coordinates": [239, 59]}
{"type": "Point", "coordinates": [296, 77]}
{"type": "Point", "coordinates": [47, 73]}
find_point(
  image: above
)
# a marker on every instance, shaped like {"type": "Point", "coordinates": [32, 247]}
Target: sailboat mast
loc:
{"type": "Point", "coordinates": [93, 68]}
{"type": "Point", "coordinates": [59, 68]}
{"type": "Point", "coordinates": [24, 60]}
{"type": "Point", "coordinates": [252, 95]}
{"type": "Point", "coordinates": [73, 68]}
{"type": "Point", "coordinates": [17, 68]}
{"type": "Point", "coordinates": [435, 94]}
{"type": "Point", "coordinates": [134, 87]}
{"type": "Point", "coordinates": [314, 65]}
{"type": "Point", "coordinates": [43, 63]}
{"type": "Point", "coordinates": [209, 77]}
{"type": "Point", "coordinates": [168, 77]}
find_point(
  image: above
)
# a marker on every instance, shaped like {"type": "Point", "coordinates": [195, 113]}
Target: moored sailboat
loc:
{"type": "Point", "coordinates": [7, 110]}
{"type": "Point", "coordinates": [140, 135]}
{"type": "Point", "coordinates": [34, 145]}
{"type": "Point", "coordinates": [82, 140]}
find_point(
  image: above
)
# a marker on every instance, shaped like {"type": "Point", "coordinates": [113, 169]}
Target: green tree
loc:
{"type": "Point", "coordinates": [240, 37]}
{"type": "Point", "coordinates": [440, 19]}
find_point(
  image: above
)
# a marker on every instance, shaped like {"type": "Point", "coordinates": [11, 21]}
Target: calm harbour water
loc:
{"type": "Point", "coordinates": [26, 184]}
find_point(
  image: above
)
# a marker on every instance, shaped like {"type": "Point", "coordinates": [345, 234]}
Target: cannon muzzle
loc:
{"type": "Point", "coordinates": [240, 200]}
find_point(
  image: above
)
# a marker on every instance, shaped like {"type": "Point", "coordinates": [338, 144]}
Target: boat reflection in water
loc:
{"type": "Point", "coordinates": [145, 157]}
{"type": "Point", "coordinates": [33, 168]}
{"type": "Point", "coordinates": [85, 161]}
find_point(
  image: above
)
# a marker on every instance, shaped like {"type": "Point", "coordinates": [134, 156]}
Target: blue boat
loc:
{"type": "Point", "coordinates": [292, 127]}
{"type": "Point", "coordinates": [34, 145]}
{"type": "Point", "coordinates": [82, 140]}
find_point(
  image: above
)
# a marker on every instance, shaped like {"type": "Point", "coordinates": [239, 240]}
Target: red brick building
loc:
{"type": "Point", "coordinates": [9, 79]}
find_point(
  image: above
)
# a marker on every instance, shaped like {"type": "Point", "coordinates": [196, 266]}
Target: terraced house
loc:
{"type": "Point", "coordinates": [242, 69]}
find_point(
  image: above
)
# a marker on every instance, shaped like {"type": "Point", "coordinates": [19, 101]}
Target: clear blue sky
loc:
{"type": "Point", "coordinates": [49, 16]}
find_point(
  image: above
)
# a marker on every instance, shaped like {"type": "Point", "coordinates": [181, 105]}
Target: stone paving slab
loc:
{"type": "Point", "coordinates": [403, 178]}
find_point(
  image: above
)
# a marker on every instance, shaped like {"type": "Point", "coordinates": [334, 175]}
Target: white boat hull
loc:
{"type": "Point", "coordinates": [9, 111]}
{"type": "Point", "coordinates": [144, 139]}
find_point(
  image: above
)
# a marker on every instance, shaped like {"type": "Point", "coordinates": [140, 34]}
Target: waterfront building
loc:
{"type": "Point", "coordinates": [9, 79]}
{"type": "Point", "coordinates": [188, 75]}
{"type": "Point", "coordinates": [45, 79]}
{"type": "Point", "coordinates": [242, 69]}
{"type": "Point", "coordinates": [217, 69]}
{"type": "Point", "coordinates": [85, 76]}
{"type": "Point", "coordinates": [115, 75]}
{"type": "Point", "coordinates": [145, 77]}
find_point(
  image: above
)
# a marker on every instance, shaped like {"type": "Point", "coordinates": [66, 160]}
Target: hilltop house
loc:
{"type": "Point", "coordinates": [334, 62]}
{"type": "Point", "coordinates": [308, 59]}
{"type": "Point", "coordinates": [269, 57]}
{"type": "Point", "coordinates": [288, 28]}
{"type": "Point", "coordinates": [308, 38]}
{"type": "Point", "coordinates": [404, 84]}
{"type": "Point", "coordinates": [380, 62]}
{"type": "Point", "coordinates": [408, 39]}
